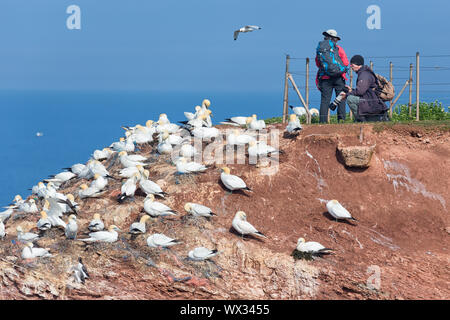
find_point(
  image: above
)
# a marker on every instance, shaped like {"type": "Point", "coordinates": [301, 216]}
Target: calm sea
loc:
{"type": "Point", "coordinates": [74, 124]}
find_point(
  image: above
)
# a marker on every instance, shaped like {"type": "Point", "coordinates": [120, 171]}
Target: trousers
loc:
{"type": "Point", "coordinates": [326, 87]}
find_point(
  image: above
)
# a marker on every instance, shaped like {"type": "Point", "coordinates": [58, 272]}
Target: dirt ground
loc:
{"type": "Point", "coordinates": [397, 249]}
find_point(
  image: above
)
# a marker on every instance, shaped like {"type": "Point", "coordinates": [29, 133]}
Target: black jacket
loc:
{"type": "Point", "coordinates": [366, 84]}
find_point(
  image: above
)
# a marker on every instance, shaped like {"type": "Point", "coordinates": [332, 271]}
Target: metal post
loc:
{"type": "Point", "coordinates": [351, 86]}
{"type": "Point", "coordinates": [391, 67]}
{"type": "Point", "coordinates": [286, 87]}
{"type": "Point", "coordinates": [417, 85]}
{"type": "Point", "coordinates": [410, 88]}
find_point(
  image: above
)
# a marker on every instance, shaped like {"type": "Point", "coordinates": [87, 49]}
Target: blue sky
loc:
{"type": "Point", "coordinates": [188, 45]}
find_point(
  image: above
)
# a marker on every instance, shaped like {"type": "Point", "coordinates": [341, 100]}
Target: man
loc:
{"type": "Point", "coordinates": [327, 83]}
{"type": "Point", "coordinates": [363, 99]}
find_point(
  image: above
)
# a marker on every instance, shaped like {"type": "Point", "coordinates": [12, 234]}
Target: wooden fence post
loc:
{"type": "Point", "coordinates": [410, 88]}
{"type": "Point", "coordinates": [351, 86]}
{"type": "Point", "coordinates": [307, 87]}
{"type": "Point", "coordinates": [286, 87]}
{"type": "Point", "coordinates": [417, 85]}
{"type": "Point", "coordinates": [391, 67]}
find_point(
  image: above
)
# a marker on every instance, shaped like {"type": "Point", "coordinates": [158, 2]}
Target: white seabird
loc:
{"type": "Point", "coordinates": [198, 210]}
{"type": "Point", "coordinates": [241, 225]}
{"type": "Point", "coordinates": [87, 192]}
{"type": "Point", "coordinates": [239, 139]}
{"type": "Point", "coordinates": [232, 182]}
{"type": "Point", "coordinates": [157, 209]}
{"type": "Point", "coordinates": [139, 227]}
{"type": "Point", "coordinates": [202, 253]}
{"type": "Point", "coordinates": [2, 229]}
{"type": "Point", "coordinates": [128, 188]}
{"type": "Point", "coordinates": [299, 111]}
{"type": "Point", "coordinates": [314, 112]}
{"type": "Point", "coordinates": [312, 247]}
{"type": "Point", "coordinates": [77, 168]}
{"type": "Point", "coordinates": [337, 211]}
{"type": "Point", "coordinates": [238, 121]}
{"type": "Point", "coordinates": [28, 252]}
{"type": "Point", "coordinates": [150, 187]}
{"type": "Point", "coordinates": [294, 125]}
{"type": "Point", "coordinates": [245, 29]}
{"type": "Point", "coordinates": [159, 240]}
{"type": "Point", "coordinates": [44, 223]}
{"type": "Point", "coordinates": [26, 236]}
{"type": "Point", "coordinates": [205, 133]}
{"type": "Point", "coordinates": [96, 223]}
{"type": "Point", "coordinates": [71, 227]}
{"type": "Point", "coordinates": [80, 271]}
{"type": "Point", "coordinates": [103, 236]}
{"type": "Point", "coordinates": [254, 124]}
{"type": "Point", "coordinates": [103, 154]}
{"type": "Point", "coordinates": [99, 182]}
{"type": "Point", "coordinates": [183, 166]}
{"type": "Point", "coordinates": [260, 148]}
{"type": "Point", "coordinates": [60, 178]}
{"type": "Point", "coordinates": [164, 146]}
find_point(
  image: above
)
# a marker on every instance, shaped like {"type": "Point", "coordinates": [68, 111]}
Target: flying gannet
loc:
{"type": "Point", "coordinates": [245, 29]}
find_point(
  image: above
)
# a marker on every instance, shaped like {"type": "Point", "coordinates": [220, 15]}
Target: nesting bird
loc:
{"type": "Point", "coordinates": [198, 210]}
{"type": "Point", "coordinates": [338, 212]}
{"type": "Point", "coordinates": [103, 236]}
{"type": "Point", "coordinates": [156, 209]}
{"type": "Point", "coordinates": [150, 187]}
{"type": "Point", "coordinates": [139, 227]}
{"type": "Point", "coordinates": [159, 240]}
{"type": "Point", "coordinates": [183, 166]}
{"type": "Point", "coordinates": [26, 236]}
{"type": "Point", "coordinates": [202, 253]}
{"type": "Point", "coordinates": [44, 223]}
{"type": "Point", "coordinates": [241, 225]}
{"type": "Point", "coordinates": [80, 271]}
{"type": "Point", "coordinates": [294, 125]}
{"type": "Point", "coordinates": [29, 252]}
{"type": "Point", "coordinates": [311, 247]}
{"type": "Point", "coordinates": [96, 223]}
{"type": "Point", "coordinates": [71, 227]}
{"type": "Point", "coordinates": [232, 182]}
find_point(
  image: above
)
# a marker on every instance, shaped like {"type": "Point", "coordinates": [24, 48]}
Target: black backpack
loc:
{"type": "Point", "coordinates": [330, 61]}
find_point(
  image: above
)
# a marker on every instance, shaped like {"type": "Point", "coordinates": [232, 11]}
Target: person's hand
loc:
{"type": "Point", "coordinates": [349, 88]}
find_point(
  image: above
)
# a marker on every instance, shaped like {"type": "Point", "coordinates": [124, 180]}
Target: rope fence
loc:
{"type": "Point", "coordinates": [401, 75]}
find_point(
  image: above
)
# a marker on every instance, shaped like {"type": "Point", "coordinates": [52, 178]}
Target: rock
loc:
{"type": "Point", "coordinates": [356, 156]}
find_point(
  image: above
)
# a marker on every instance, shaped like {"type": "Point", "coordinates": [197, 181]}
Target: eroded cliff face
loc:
{"type": "Point", "coordinates": [398, 248]}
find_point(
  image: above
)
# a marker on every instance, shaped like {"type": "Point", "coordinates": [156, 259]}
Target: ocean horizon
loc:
{"type": "Point", "coordinates": [73, 124]}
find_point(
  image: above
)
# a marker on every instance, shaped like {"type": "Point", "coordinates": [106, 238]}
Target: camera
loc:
{"type": "Point", "coordinates": [333, 105]}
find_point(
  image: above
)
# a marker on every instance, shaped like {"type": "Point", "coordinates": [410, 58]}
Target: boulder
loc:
{"type": "Point", "coordinates": [356, 156]}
